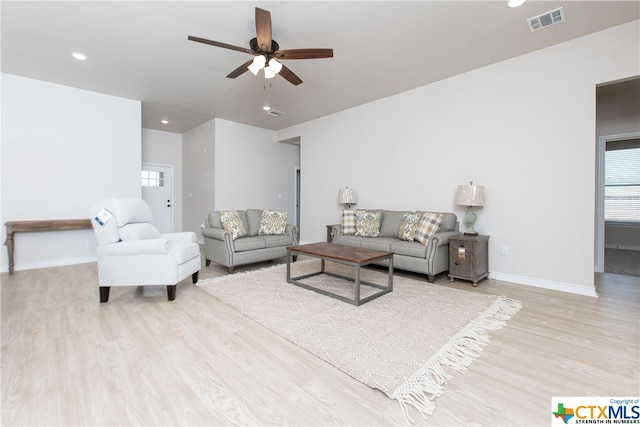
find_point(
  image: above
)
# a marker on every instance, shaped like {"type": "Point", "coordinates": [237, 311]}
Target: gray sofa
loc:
{"type": "Point", "coordinates": [430, 259]}
{"type": "Point", "coordinates": [219, 246]}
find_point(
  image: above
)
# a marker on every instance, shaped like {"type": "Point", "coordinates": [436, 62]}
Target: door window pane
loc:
{"type": "Point", "coordinates": [152, 179]}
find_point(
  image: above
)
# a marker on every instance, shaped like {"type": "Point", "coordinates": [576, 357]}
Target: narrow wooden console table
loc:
{"type": "Point", "coordinates": [40, 225]}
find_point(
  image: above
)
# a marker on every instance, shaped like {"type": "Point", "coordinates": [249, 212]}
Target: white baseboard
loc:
{"type": "Point", "coordinates": [521, 280]}
{"type": "Point", "coordinates": [545, 284]}
{"type": "Point", "coordinates": [50, 263]}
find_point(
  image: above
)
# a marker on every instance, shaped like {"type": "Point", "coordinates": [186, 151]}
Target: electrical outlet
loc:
{"type": "Point", "coordinates": [505, 250]}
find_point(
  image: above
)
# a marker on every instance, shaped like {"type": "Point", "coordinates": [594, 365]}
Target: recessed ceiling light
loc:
{"type": "Point", "coordinates": [79, 56]}
{"type": "Point", "coordinates": [266, 108]}
{"type": "Point", "coordinates": [515, 3]}
{"type": "Point", "coordinates": [164, 122]}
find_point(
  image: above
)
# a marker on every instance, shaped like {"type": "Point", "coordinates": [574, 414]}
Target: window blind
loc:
{"type": "Point", "coordinates": [622, 185]}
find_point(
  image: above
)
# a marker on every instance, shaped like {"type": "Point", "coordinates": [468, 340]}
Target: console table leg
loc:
{"type": "Point", "coordinates": [9, 242]}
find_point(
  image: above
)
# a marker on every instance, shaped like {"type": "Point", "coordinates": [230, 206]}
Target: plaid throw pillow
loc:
{"type": "Point", "coordinates": [232, 222]}
{"type": "Point", "coordinates": [408, 226]}
{"type": "Point", "coordinates": [348, 221]}
{"type": "Point", "coordinates": [368, 223]}
{"type": "Point", "coordinates": [428, 226]}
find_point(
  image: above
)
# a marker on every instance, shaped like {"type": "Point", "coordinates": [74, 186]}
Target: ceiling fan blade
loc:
{"type": "Point", "coordinates": [219, 44]}
{"type": "Point", "coordinates": [240, 70]}
{"type": "Point", "coordinates": [303, 53]}
{"type": "Point", "coordinates": [263, 29]}
{"type": "Point", "coordinates": [290, 76]}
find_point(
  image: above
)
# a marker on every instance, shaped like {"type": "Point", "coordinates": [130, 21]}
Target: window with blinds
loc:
{"type": "Point", "coordinates": [622, 183]}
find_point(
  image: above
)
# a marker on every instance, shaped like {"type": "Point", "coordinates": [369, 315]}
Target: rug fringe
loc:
{"type": "Point", "coordinates": [427, 383]}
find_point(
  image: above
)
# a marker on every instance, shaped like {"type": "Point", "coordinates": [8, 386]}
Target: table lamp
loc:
{"type": "Point", "coordinates": [470, 196]}
{"type": "Point", "coordinates": [347, 196]}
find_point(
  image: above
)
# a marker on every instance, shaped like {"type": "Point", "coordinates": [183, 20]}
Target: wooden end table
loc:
{"type": "Point", "coordinates": [469, 257]}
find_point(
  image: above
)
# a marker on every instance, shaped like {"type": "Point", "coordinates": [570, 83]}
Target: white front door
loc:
{"type": "Point", "coordinates": [157, 191]}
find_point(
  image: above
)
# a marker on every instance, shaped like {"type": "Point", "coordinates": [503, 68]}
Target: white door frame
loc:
{"type": "Point", "coordinates": [602, 146]}
{"type": "Point", "coordinates": [296, 196]}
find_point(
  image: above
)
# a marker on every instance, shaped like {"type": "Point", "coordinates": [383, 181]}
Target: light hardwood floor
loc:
{"type": "Point", "coordinates": [141, 360]}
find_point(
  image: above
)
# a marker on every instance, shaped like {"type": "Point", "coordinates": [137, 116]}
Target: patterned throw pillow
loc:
{"type": "Point", "coordinates": [272, 222]}
{"type": "Point", "coordinates": [348, 221]}
{"type": "Point", "coordinates": [368, 223]}
{"type": "Point", "coordinates": [408, 226]}
{"type": "Point", "coordinates": [428, 226]}
{"type": "Point", "coordinates": [232, 222]}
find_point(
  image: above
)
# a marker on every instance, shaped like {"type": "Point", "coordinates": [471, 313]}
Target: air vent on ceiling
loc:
{"type": "Point", "coordinates": [546, 19]}
{"type": "Point", "coordinates": [275, 113]}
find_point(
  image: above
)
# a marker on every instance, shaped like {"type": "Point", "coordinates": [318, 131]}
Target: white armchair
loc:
{"type": "Point", "coordinates": [132, 252]}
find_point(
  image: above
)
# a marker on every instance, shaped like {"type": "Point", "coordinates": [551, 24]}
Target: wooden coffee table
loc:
{"type": "Point", "coordinates": [348, 255]}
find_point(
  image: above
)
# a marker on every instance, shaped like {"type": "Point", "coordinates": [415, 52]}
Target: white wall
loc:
{"type": "Point", "coordinates": [198, 187]}
{"type": "Point", "coordinates": [253, 170]}
{"type": "Point", "coordinates": [63, 149]}
{"type": "Point", "coordinates": [165, 148]}
{"type": "Point", "coordinates": [524, 128]}
{"type": "Point", "coordinates": [229, 165]}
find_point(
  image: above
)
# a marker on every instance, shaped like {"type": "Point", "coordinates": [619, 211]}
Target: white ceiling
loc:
{"type": "Point", "coordinates": [139, 50]}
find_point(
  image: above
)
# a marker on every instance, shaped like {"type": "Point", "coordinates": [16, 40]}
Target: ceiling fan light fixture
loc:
{"type": "Point", "coordinates": [275, 65]}
{"type": "Point", "coordinates": [269, 73]}
{"type": "Point", "coordinates": [257, 64]}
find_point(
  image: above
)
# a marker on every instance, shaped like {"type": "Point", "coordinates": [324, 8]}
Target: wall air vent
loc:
{"type": "Point", "coordinates": [275, 113]}
{"type": "Point", "coordinates": [546, 19]}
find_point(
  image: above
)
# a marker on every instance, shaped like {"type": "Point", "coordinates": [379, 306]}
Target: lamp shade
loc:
{"type": "Point", "coordinates": [268, 73]}
{"type": "Point", "coordinates": [470, 195]}
{"type": "Point", "coordinates": [347, 196]}
{"type": "Point", "coordinates": [275, 65]}
{"type": "Point", "coordinates": [257, 64]}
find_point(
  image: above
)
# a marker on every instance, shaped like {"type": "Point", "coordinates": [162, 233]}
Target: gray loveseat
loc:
{"type": "Point", "coordinates": [219, 245]}
{"type": "Point", "coordinates": [430, 259]}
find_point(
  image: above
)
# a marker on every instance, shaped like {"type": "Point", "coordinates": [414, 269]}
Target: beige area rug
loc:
{"type": "Point", "coordinates": [399, 343]}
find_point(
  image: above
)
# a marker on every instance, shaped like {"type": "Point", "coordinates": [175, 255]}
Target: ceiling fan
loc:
{"type": "Point", "coordinates": [267, 53]}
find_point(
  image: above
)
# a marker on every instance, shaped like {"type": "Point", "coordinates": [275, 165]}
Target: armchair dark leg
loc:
{"type": "Point", "coordinates": [104, 293]}
{"type": "Point", "coordinates": [431, 278]}
{"type": "Point", "coordinates": [207, 262]}
{"type": "Point", "coordinates": [171, 292]}
{"type": "Point", "coordinates": [230, 269]}
{"type": "Point", "coordinates": [195, 276]}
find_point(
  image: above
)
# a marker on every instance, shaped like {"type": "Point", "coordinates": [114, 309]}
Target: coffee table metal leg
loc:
{"type": "Point", "coordinates": [391, 273]}
{"type": "Point", "coordinates": [357, 284]}
{"type": "Point", "coordinates": [288, 266]}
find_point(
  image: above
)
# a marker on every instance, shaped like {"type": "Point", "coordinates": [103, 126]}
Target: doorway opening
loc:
{"type": "Point", "coordinates": [157, 191]}
{"type": "Point", "coordinates": [617, 201]}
